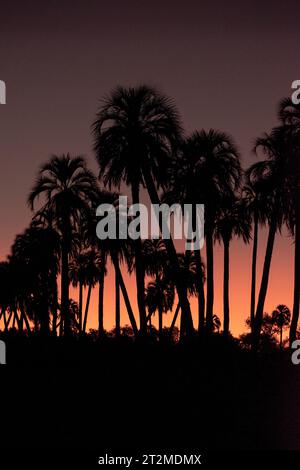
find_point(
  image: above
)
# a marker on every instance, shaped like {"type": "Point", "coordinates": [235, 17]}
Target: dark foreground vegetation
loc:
{"type": "Point", "coordinates": [124, 394]}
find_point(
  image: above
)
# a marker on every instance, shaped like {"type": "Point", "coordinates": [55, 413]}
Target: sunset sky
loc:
{"type": "Point", "coordinates": [226, 66]}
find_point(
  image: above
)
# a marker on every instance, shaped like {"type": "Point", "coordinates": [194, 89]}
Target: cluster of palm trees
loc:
{"type": "Point", "coordinates": [139, 142]}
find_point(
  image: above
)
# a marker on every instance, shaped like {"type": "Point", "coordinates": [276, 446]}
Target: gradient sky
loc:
{"type": "Point", "coordinates": [226, 64]}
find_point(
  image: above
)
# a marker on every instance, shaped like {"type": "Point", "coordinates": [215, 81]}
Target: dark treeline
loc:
{"type": "Point", "coordinates": [139, 141]}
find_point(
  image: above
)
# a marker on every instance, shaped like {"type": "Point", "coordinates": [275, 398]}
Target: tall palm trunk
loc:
{"type": "Point", "coordinates": [4, 319]}
{"type": "Point", "coordinates": [8, 321]}
{"type": "Point", "coordinates": [140, 270]}
{"type": "Point", "coordinates": [19, 321]}
{"type": "Point", "coordinates": [65, 320]}
{"type": "Point", "coordinates": [125, 295]}
{"type": "Point", "coordinates": [200, 288]}
{"type": "Point", "coordinates": [295, 315]}
{"type": "Point", "coordinates": [25, 319]}
{"type": "Point", "coordinates": [44, 309]}
{"type": "Point", "coordinates": [101, 295]}
{"type": "Point", "coordinates": [181, 291]}
{"type": "Point", "coordinates": [253, 275]}
{"type": "Point", "coordinates": [87, 305]}
{"type": "Point", "coordinates": [80, 305]}
{"type": "Point", "coordinates": [117, 300]}
{"type": "Point", "coordinates": [160, 322]}
{"type": "Point", "coordinates": [210, 274]}
{"type": "Point", "coordinates": [174, 319]}
{"type": "Point", "coordinates": [226, 287]}
{"type": "Point", "coordinates": [55, 306]}
{"type": "Point", "coordinates": [264, 280]}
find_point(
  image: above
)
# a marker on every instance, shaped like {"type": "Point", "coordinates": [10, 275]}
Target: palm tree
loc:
{"type": "Point", "coordinates": [289, 114]}
{"type": "Point", "coordinates": [232, 221]}
{"type": "Point", "coordinates": [119, 250]}
{"type": "Point", "coordinates": [35, 253]}
{"type": "Point", "coordinates": [255, 195]}
{"type": "Point", "coordinates": [84, 270]}
{"type": "Point", "coordinates": [92, 270]}
{"type": "Point", "coordinates": [155, 259]}
{"type": "Point", "coordinates": [273, 170]}
{"type": "Point", "coordinates": [159, 297]}
{"type": "Point", "coordinates": [67, 186]}
{"type": "Point", "coordinates": [281, 319]}
{"type": "Point", "coordinates": [136, 132]}
{"type": "Point", "coordinates": [5, 292]}
{"type": "Point", "coordinates": [216, 323]}
{"type": "Point", "coordinates": [76, 274]}
{"type": "Point", "coordinates": [213, 174]}
{"type": "Point", "coordinates": [184, 189]}
{"type": "Point", "coordinates": [189, 280]}
{"type": "Point", "coordinates": [121, 253]}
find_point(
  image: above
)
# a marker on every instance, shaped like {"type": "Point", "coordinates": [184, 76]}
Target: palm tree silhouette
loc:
{"type": "Point", "coordinates": [160, 297]}
{"type": "Point", "coordinates": [281, 319]}
{"type": "Point", "coordinates": [185, 189]}
{"type": "Point", "coordinates": [189, 279]}
{"type": "Point", "coordinates": [121, 253]}
{"type": "Point", "coordinates": [119, 250]}
{"type": "Point", "coordinates": [256, 197]}
{"type": "Point", "coordinates": [36, 253]}
{"type": "Point", "coordinates": [273, 170]}
{"type": "Point", "coordinates": [67, 187]}
{"type": "Point", "coordinates": [155, 259]}
{"type": "Point", "coordinates": [216, 323]}
{"type": "Point", "coordinates": [214, 175]}
{"type": "Point", "coordinates": [135, 134]}
{"type": "Point", "coordinates": [289, 114]}
{"type": "Point", "coordinates": [231, 221]}
{"type": "Point", "coordinates": [84, 270]}
{"type": "Point", "coordinates": [92, 270]}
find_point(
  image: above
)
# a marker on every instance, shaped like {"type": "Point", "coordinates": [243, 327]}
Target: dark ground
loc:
{"type": "Point", "coordinates": [120, 395]}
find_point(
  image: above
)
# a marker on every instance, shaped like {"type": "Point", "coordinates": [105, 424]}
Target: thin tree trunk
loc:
{"type": "Point", "coordinates": [226, 288]}
{"type": "Point", "coordinates": [24, 317]}
{"type": "Point", "coordinates": [117, 300]}
{"type": "Point", "coordinates": [295, 315]}
{"type": "Point", "coordinates": [4, 319]}
{"type": "Point", "coordinates": [17, 321]}
{"type": "Point", "coordinates": [8, 320]}
{"type": "Point", "coordinates": [160, 322]}
{"type": "Point", "coordinates": [139, 269]}
{"type": "Point", "coordinates": [101, 295]}
{"type": "Point", "coordinates": [253, 276]}
{"type": "Point", "coordinates": [201, 297]}
{"type": "Point", "coordinates": [264, 281]}
{"type": "Point", "coordinates": [87, 307]}
{"type": "Point", "coordinates": [149, 317]}
{"type": "Point", "coordinates": [55, 306]}
{"type": "Point", "coordinates": [65, 319]}
{"type": "Point", "coordinates": [210, 275]}
{"type": "Point", "coordinates": [183, 325]}
{"type": "Point", "coordinates": [125, 295]}
{"type": "Point", "coordinates": [80, 305]}
{"type": "Point", "coordinates": [174, 319]}
{"type": "Point", "coordinates": [182, 295]}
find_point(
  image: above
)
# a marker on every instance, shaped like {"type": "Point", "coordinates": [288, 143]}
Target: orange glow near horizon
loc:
{"type": "Point", "coordinates": [280, 288]}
